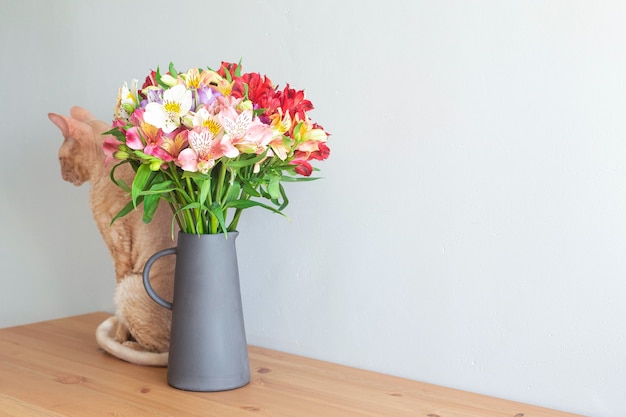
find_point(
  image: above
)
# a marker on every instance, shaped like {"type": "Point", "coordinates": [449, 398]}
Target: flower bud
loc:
{"type": "Point", "coordinates": [187, 121]}
{"type": "Point", "coordinates": [128, 108]}
{"type": "Point", "coordinates": [155, 165]}
{"type": "Point", "coordinates": [245, 105]}
{"type": "Point", "coordinates": [121, 155]}
{"type": "Point", "coordinates": [167, 79]}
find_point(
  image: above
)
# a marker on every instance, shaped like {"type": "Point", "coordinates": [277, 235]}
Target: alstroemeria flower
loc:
{"type": "Point", "coordinates": [111, 146]}
{"type": "Point", "coordinates": [293, 102]}
{"type": "Point", "coordinates": [196, 79]}
{"type": "Point", "coordinates": [127, 100]}
{"type": "Point", "coordinates": [204, 149]}
{"type": "Point", "coordinates": [245, 133]}
{"type": "Point", "coordinates": [235, 125]}
{"type": "Point", "coordinates": [280, 144]}
{"type": "Point", "coordinates": [200, 141]}
{"type": "Point", "coordinates": [202, 117]}
{"type": "Point", "coordinates": [175, 145]}
{"type": "Point", "coordinates": [302, 167]}
{"type": "Point", "coordinates": [322, 152]}
{"type": "Point", "coordinates": [133, 138]}
{"type": "Point", "coordinates": [166, 116]}
{"type": "Point", "coordinates": [308, 135]}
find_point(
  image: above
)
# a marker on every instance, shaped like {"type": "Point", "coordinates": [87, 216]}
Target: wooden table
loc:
{"type": "Point", "coordinates": [55, 369]}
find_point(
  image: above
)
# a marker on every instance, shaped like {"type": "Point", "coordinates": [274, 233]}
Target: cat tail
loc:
{"type": "Point", "coordinates": [105, 337]}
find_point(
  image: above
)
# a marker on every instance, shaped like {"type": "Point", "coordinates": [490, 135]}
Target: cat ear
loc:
{"type": "Point", "coordinates": [61, 122]}
{"type": "Point", "coordinates": [80, 113]}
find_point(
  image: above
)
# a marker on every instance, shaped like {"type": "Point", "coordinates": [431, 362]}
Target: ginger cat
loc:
{"type": "Point", "coordinates": [139, 331]}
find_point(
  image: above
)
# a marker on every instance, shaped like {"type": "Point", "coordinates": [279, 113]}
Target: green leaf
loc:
{"type": "Point", "coordinates": [218, 212]}
{"type": "Point", "coordinates": [173, 71]}
{"type": "Point", "coordinates": [264, 193]}
{"type": "Point", "coordinates": [150, 205]}
{"type": "Point", "coordinates": [273, 187]}
{"type": "Point", "coordinates": [122, 184]}
{"type": "Point", "coordinates": [185, 226]}
{"type": "Point", "coordinates": [140, 181]}
{"type": "Point", "coordinates": [125, 210]}
{"type": "Point", "coordinates": [286, 178]}
{"type": "Point", "coordinates": [117, 133]}
{"type": "Point", "coordinates": [157, 77]}
{"type": "Point", "coordinates": [159, 188]}
{"type": "Point", "coordinates": [227, 75]}
{"type": "Point", "coordinates": [233, 192]}
{"type": "Point", "coordinates": [250, 190]}
{"type": "Point", "coordinates": [119, 182]}
{"type": "Point", "coordinates": [196, 176]}
{"type": "Point", "coordinates": [244, 204]}
{"type": "Point", "coordinates": [205, 188]}
{"type": "Point", "coordinates": [238, 70]}
{"type": "Point", "coordinates": [240, 163]}
{"type": "Point", "coordinates": [192, 205]}
{"type": "Point", "coordinates": [285, 199]}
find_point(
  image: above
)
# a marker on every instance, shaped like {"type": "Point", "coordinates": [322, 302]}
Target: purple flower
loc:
{"type": "Point", "coordinates": [206, 96]}
{"type": "Point", "coordinates": [155, 96]}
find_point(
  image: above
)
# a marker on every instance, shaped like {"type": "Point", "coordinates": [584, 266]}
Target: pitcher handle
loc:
{"type": "Point", "coordinates": [146, 277]}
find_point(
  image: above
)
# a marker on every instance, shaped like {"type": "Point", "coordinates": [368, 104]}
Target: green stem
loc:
{"type": "Point", "coordinates": [181, 198]}
{"type": "Point", "coordinates": [176, 215]}
{"type": "Point", "coordinates": [220, 184]}
{"type": "Point", "coordinates": [233, 224]}
{"type": "Point", "coordinates": [214, 224]}
{"type": "Point", "coordinates": [196, 219]}
{"type": "Point", "coordinates": [218, 196]}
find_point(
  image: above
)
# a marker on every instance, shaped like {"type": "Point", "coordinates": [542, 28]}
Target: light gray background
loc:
{"type": "Point", "coordinates": [470, 229]}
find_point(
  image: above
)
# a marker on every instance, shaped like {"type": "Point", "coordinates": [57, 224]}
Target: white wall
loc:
{"type": "Point", "coordinates": [470, 229]}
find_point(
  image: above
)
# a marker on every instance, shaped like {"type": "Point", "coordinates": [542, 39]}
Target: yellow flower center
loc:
{"type": "Point", "coordinates": [172, 107]}
{"type": "Point", "coordinates": [193, 81]}
{"type": "Point", "coordinates": [213, 126]}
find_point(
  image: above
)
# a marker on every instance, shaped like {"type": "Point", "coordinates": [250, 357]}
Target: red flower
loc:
{"type": "Point", "coordinates": [228, 66]}
{"type": "Point", "coordinates": [293, 101]}
{"type": "Point", "coordinates": [150, 80]}
{"type": "Point", "coordinates": [258, 87]}
{"type": "Point", "coordinates": [302, 167]}
{"type": "Point", "coordinates": [322, 153]}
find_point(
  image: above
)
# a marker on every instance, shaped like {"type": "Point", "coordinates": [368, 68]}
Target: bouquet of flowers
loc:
{"type": "Point", "coordinates": [211, 144]}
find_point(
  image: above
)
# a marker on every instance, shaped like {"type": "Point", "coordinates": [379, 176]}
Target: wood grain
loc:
{"type": "Point", "coordinates": [55, 369]}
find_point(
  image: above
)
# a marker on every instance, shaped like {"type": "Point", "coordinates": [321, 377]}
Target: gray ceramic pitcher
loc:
{"type": "Point", "coordinates": [208, 349]}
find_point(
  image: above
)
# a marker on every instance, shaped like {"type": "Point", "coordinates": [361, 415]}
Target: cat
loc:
{"type": "Point", "coordinates": [139, 330]}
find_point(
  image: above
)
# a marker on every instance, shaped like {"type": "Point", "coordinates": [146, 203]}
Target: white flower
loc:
{"type": "Point", "coordinates": [176, 104]}
{"type": "Point", "coordinates": [127, 100]}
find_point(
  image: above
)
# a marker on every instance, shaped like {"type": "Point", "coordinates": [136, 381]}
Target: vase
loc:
{"type": "Point", "coordinates": [208, 348]}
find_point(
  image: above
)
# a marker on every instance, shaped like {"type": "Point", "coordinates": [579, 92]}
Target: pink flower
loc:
{"type": "Point", "coordinates": [157, 151]}
{"type": "Point", "coordinates": [137, 117]}
{"type": "Point", "coordinates": [204, 149]}
{"type": "Point", "coordinates": [133, 138]}
{"type": "Point", "coordinates": [259, 134]}
{"type": "Point", "coordinates": [119, 124]}
{"type": "Point", "coordinates": [187, 160]}
{"type": "Point", "coordinates": [110, 147]}
{"type": "Point", "coordinates": [174, 143]}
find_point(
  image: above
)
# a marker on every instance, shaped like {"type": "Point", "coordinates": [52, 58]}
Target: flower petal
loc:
{"type": "Point", "coordinates": [187, 160]}
{"type": "Point", "coordinates": [133, 138]}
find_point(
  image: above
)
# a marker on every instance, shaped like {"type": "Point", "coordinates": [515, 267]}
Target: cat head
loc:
{"type": "Point", "coordinates": [81, 156]}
